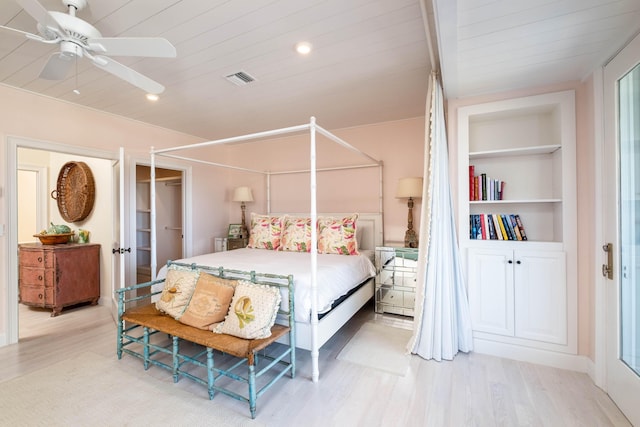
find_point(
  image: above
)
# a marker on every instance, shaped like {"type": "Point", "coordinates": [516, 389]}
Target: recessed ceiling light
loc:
{"type": "Point", "coordinates": [152, 97]}
{"type": "Point", "coordinates": [303, 48]}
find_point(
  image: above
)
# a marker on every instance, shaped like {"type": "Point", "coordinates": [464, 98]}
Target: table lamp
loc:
{"type": "Point", "coordinates": [242, 195]}
{"type": "Point", "coordinates": [410, 188]}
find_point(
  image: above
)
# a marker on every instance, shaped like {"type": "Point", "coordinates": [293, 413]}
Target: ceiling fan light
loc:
{"type": "Point", "coordinates": [303, 48]}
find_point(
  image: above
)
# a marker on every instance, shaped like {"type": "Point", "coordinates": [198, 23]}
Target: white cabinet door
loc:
{"type": "Point", "coordinates": [491, 290]}
{"type": "Point", "coordinates": [540, 296]}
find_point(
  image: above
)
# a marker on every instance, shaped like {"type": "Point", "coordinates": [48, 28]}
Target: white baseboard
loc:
{"type": "Point", "coordinates": [554, 359]}
{"type": "Point", "coordinates": [3, 339]}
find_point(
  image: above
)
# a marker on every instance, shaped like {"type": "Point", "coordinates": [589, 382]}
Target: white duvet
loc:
{"type": "Point", "coordinates": [337, 274]}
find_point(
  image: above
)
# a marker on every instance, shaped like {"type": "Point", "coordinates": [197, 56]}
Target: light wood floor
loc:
{"type": "Point", "coordinates": [473, 390]}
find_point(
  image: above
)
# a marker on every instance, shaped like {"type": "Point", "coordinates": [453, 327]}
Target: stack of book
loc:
{"type": "Point", "coordinates": [496, 227]}
{"type": "Point", "coordinates": [481, 187]}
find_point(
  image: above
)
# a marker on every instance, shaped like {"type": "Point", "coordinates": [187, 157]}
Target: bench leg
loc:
{"type": "Point", "coordinates": [252, 390]}
{"type": "Point", "coordinates": [146, 348]}
{"type": "Point", "coordinates": [176, 360]}
{"type": "Point", "coordinates": [210, 378]}
{"type": "Point", "coordinates": [119, 350]}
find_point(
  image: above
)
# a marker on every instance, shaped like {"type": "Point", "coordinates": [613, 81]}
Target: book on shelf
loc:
{"type": "Point", "coordinates": [472, 193]}
{"type": "Point", "coordinates": [521, 227]}
{"type": "Point", "coordinates": [483, 187]}
{"type": "Point", "coordinates": [496, 227]}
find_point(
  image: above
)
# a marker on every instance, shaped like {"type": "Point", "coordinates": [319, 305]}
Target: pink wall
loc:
{"type": "Point", "coordinates": [585, 196]}
{"type": "Point", "coordinates": [399, 145]}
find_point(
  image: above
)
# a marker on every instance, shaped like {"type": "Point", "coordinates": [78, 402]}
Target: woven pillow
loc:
{"type": "Point", "coordinates": [210, 301]}
{"type": "Point", "coordinates": [264, 232]}
{"type": "Point", "coordinates": [338, 235]}
{"type": "Point", "coordinates": [178, 288]}
{"type": "Point", "coordinates": [252, 312]}
{"type": "Point", "coordinates": [296, 234]}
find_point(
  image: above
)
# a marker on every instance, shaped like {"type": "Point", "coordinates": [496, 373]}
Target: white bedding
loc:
{"type": "Point", "coordinates": [337, 274]}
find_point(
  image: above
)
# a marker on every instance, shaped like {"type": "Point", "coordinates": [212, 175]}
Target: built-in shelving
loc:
{"type": "Point", "coordinates": [522, 293]}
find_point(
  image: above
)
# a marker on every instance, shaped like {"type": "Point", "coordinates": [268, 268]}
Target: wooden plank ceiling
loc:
{"type": "Point", "coordinates": [369, 62]}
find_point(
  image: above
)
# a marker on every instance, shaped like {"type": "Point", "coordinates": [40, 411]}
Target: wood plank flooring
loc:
{"type": "Point", "coordinates": [473, 390]}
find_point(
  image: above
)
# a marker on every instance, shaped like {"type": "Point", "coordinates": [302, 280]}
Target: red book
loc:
{"type": "Point", "coordinates": [483, 227]}
{"type": "Point", "coordinates": [471, 184]}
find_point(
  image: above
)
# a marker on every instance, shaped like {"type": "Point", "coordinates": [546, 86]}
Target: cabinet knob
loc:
{"type": "Point", "coordinates": [39, 259]}
{"type": "Point", "coordinates": [510, 261]}
{"type": "Point", "coordinates": [40, 296]}
{"type": "Point", "coordinates": [40, 277]}
{"type": "Point", "coordinates": [518, 262]}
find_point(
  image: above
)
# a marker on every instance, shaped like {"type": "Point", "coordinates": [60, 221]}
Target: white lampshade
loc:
{"type": "Point", "coordinates": [409, 187]}
{"type": "Point", "coordinates": [242, 194]}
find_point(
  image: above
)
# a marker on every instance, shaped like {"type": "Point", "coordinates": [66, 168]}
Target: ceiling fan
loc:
{"type": "Point", "coordinates": [77, 38]}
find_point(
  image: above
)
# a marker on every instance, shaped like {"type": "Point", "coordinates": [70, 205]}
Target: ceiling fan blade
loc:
{"type": "Point", "coordinates": [127, 74]}
{"type": "Point", "coordinates": [57, 67]}
{"type": "Point", "coordinates": [155, 47]}
{"type": "Point", "coordinates": [24, 33]}
{"type": "Point", "coordinates": [40, 14]}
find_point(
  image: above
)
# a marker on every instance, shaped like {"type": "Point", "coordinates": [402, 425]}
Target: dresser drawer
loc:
{"type": "Point", "coordinates": [36, 295]}
{"type": "Point", "coordinates": [36, 277]}
{"type": "Point", "coordinates": [36, 258]}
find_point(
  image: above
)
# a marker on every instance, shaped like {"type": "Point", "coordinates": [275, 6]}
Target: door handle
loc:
{"type": "Point", "coordinates": [607, 269]}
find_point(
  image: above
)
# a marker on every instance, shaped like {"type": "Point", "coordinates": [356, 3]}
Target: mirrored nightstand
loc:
{"type": "Point", "coordinates": [397, 269]}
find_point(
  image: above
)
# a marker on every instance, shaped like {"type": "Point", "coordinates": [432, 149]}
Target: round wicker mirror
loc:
{"type": "Point", "coordinates": [75, 191]}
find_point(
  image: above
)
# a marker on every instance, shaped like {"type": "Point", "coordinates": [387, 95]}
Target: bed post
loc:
{"type": "Point", "coordinates": [152, 217]}
{"type": "Point", "coordinates": [315, 351]}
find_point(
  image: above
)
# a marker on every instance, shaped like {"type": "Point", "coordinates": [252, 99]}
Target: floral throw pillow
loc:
{"type": "Point", "coordinates": [178, 288]}
{"type": "Point", "coordinates": [265, 232]}
{"type": "Point", "coordinates": [252, 312]}
{"type": "Point", "coordinates": [210, 301]}
{"type": "Point", "coordinates": [296, 234]}
{"type": "Point", "coordinates": [338, 235]}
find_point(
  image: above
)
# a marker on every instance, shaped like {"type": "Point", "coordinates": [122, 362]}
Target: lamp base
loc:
{"type": "Point", "coordinates": [410, 239]}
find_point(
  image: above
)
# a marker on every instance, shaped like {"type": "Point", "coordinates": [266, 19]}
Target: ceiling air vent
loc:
{"type": "Point", "coordinates": [240, 78]}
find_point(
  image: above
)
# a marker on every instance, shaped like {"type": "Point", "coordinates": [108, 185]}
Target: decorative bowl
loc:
{"type": "Point", "coordinates": [54, 239]}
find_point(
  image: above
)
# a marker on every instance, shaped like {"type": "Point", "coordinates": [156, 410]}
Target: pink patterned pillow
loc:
{"type": "Point", "coordinates": [337, 235]}
{"type": "Point", "coordinates": [296, 234]}
{"type": "Point", "coordinates": [265, 232]}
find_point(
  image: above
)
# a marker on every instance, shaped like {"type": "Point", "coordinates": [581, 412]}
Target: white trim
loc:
{"type": "Point", "coordinates": [599, 375]}
{"type": "Point", "coordinates": [538, 356]}
{"type": "Point", "coordinates": [11, 276]}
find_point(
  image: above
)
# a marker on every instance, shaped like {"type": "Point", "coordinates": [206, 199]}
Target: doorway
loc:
{"type": "Point", "coordinates": [108, 227]}
{"type": "Point", "coordinates": [169, 219]}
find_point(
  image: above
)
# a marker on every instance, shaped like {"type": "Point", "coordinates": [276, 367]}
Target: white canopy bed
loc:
{"type": "Point", "coordinates": [311, 333]}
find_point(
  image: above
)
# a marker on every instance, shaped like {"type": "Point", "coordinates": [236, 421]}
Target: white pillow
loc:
{"type": "Point", "coordinates": [252, 312]}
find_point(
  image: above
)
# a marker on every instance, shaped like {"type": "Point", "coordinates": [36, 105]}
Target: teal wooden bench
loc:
{"type": "Point", "coordinates": [160, 340]}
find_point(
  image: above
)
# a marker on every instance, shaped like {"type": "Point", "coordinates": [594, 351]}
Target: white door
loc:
{"type": "Point", "coordinates": [491, 290]}
{"type": "Point", "coordinates": [621, 215]}
{"type": "Point", "coordinates": [540, 296]}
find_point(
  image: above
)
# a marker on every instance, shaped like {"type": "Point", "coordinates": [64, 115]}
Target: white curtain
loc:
{"type": "Point", "coordinates": [442, 323]}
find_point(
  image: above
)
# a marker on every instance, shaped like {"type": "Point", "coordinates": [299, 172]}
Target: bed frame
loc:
{"type": "Point", "coordinates": [370, 236]}
{"type": "Point", "coordinates": [338, 316]}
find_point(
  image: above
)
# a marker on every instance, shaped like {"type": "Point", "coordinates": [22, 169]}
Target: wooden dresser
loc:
{"type": "Point", "coordinates": [56, 276]}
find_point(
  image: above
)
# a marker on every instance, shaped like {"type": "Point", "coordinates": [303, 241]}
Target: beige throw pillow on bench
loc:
{"type": "Point", "coordinates": [210, 301]}
{"type": "Point", "coordinates": [178, 288]}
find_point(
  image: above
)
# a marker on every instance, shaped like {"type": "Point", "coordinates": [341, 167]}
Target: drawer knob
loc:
{"type": "Point", "coordinates": [40, 277]}
{"type": "Point", "coordinates": [39, 259]}
{"type": "Point", "coordinates": [40, 296]}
